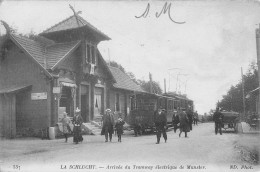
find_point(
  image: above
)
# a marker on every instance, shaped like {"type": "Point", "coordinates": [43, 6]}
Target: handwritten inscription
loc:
{"type": "Point", "coordinates": [166, 9]}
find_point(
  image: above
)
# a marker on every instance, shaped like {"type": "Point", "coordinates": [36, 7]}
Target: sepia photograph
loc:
{"type": "Point", "coordinates": [129, 86]}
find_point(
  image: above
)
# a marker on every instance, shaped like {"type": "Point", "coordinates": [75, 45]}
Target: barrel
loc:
{"type": "Point", "coordinates": [51, 133]}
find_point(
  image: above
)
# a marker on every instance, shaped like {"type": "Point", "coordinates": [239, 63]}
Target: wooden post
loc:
{"type": "Point", "coordinates": [243, 93]}
{"type": "Point", "coordinates": [164, 85]}
{"type": "Point", "coordinates": [258, 65]}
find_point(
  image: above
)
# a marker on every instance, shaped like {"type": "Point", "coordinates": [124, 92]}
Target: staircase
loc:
{"type": "Point", "coordinates": [92, 127]}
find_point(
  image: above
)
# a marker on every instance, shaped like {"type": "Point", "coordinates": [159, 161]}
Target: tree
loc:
{"type": "Point", "coordinates": [233, 100]}
{"type": "Point", "coordinates": [147, 84]}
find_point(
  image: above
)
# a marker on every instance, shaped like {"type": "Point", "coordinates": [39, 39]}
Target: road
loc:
{"type": "Point", "coordinates": [201, 151]}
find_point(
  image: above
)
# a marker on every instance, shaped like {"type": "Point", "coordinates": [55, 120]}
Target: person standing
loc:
{"type": "Point", "coordinates": [190, 116]}
{"type": "Point", "coordinates": [77, 122]}
{"type": "Point", "coordinates": [160, 124]}
{"type": "Point", "coordinates": [184, 123]}
{"type": "Point", "coordinates": [175, 121]}
{"type": "Point", "coordinates": [108, 124]}
{"type": "Point", "coordinates": [196, 117]}
{"type": "Point", "coordinates": [218, 119]}
{"type": "Point", "coordinates": [65, 126]}
{"type": "Point", "coordinates": [119, 128]}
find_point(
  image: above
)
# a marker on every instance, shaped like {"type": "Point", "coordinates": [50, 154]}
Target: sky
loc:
{"type": "Point", "coordinates": [201, 57]}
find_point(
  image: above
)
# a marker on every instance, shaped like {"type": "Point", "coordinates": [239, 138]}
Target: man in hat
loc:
{"type": "Point", "coordinates": [190, 116]}
{"type": "Point", "coordinates": [161, 124]}
{"type": "Point", "coordinates": [218, 119]}
{"type": "Point", "coordinates": [108, 124]}
{"type": "Point", "coordinates": [65, 125]}
{"type": "Point", "coordinates": [77, 122]}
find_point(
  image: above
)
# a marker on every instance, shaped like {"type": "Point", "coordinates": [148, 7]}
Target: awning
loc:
{"type": "Point", "coordinates": [67, 84]}
{"type": "Point", "coordinates": [14, 89]}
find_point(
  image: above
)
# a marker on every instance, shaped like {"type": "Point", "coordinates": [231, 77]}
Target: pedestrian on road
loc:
{"type": "Point", "coordinates": [77, 122]}
{"type": "Point", "coordinates": [190, 116]}
{"type": "Point", "coordinates": [175, 121]}
{"type": "Point", "coordinates": [137, 127]}
{"type": "Point", "coordinates": [218, 119]}
{"type": "Point", "coordinates": [119, 128]}
{"type": "Point", "coordinates": [65, 125]}
{"type": "Point", "coordinates": [160, 124]}
{"type": "Point", "coordinates": [196, 117]}
{"type": "Point", "coordinates": [108, 125]}
{"type": "Point", "coordinates": [184, 122]}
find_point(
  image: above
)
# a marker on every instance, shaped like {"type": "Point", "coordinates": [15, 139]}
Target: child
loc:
{"type": "Point", "coordinates": [119, 128]}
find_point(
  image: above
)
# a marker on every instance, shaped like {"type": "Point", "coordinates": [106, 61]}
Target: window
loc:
{"type": "Point", "coordinates": [91, 53]}
{"type": "Point", "coordinates": [117, 108]}
{"type": "Point", "coordinates": [88, 54]}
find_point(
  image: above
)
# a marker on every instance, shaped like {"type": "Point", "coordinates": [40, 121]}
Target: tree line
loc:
{"type": "Point", "coordinates": [233, 99]}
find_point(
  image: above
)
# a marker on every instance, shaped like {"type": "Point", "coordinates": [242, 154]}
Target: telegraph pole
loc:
{"type": "Point", "coordinates": [258, 64]}
{"type": "Point", "coordinates": [243, 92]}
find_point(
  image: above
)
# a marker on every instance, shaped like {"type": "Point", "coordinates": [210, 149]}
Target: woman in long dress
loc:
{"type": "Point", "coordinates": [184, 123]}
{"type": "Point", "coordinates": [77, 122]}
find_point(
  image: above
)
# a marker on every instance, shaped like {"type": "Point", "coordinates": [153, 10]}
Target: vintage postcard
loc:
{"type": "Point", "coordinates": [126, 86]}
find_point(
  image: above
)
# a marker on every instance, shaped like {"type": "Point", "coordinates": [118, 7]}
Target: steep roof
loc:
{"type": "Point", "coordinates": [73, 22]}
{"type": "Point", "coordinates": [58, 52]}
{"type": "Point", "coordinates": [46, 56]}
{"type": "Point", "coordinates": [123, 81]}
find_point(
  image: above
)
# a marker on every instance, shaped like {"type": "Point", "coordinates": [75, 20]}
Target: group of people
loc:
{"type": "Point", "coordinates": [182, 120]}
{"type": "Point", "coordinates": [77, 122]}
{"type": "Point", "coordinates": [107, 128]}
{"type": "Point", "coordinates": [109, 124]}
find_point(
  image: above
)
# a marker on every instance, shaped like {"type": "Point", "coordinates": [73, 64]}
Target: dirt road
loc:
{"type": "Point", "coordinates": [201, 151]}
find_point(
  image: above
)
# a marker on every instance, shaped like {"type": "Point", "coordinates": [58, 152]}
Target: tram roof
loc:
{"type": "Point", "coordinates": [155, 95]}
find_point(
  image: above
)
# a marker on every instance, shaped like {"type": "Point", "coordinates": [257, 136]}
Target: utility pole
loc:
{"type": "Point", "coordinates": [257, 31]}
{"type": "Point", "coordinates": [243, 92]}
{"type": "Point", "coordinates": [170, 76]}
{"type": "Point", "coordinates": [164, 85]}
{"type": "Point", "coordinates": [151, 86]}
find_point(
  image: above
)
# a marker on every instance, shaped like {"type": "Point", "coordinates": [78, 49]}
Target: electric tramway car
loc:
{"type": "Point", "coordinates": [145, 105]}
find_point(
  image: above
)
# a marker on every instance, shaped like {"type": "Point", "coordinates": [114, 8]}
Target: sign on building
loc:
{"type": "Point", "coordinates": [56, 90]}
{"type": "Point", "coordinates": [39, 96]}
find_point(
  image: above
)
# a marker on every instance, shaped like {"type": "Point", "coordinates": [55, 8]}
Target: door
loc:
{"type": "Point", "coordinates": [98, 102]}
{"type": "Point", "coordinates": [85, 103]}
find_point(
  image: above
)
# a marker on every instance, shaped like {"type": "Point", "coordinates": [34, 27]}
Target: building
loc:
{"type": "Point", "coordinates": [56, 71]}
{"type": "Point", "coordinates": [121, 91]}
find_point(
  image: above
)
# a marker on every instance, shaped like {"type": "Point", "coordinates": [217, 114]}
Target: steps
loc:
{"type": "Point", "coordinates": [92, 127]}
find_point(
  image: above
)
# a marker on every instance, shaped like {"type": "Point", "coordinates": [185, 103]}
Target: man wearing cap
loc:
{"type": "Point", "coordinates": [65, 126]}
{"type": "Point", "coordinates": [190, 116]}
{"type": "Point", "coordinates": [160, 124]}
{"type": "Point", "coordinates": [218, 119]}
{"type": "Point", "coordinates": [77, 122]}
{"type": "Point", "coordinates": [108, 124]}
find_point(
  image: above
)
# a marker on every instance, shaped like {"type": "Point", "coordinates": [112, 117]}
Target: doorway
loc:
{"type": "Point", "coordinates": [84, 91]}
{"type": "Point", "coordinates": [66, 100]}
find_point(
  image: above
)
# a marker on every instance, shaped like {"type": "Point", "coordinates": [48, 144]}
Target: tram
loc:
{"type": "Point", "coordinates": [145, 105]}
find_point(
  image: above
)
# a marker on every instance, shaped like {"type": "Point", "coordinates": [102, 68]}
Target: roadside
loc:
{"type": "Point", "coordinates": [248, 147]}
